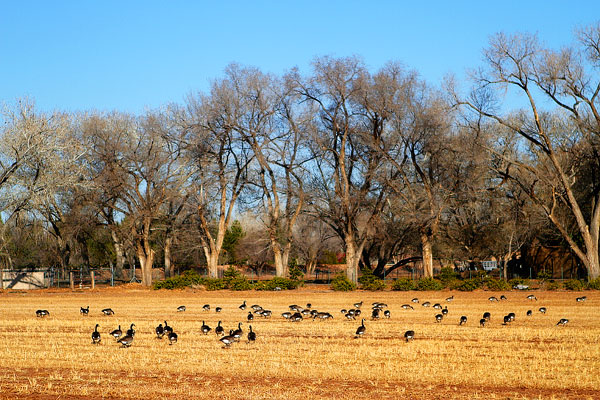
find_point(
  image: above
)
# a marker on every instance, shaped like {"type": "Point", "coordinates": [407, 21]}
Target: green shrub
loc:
{"type": "Point", "coordinates": [496, 284]}
{"type": "Point", "coordinates": [454, 284]}
{"type": "Point", "coordinates": [186, 279]}
{"type": "Point", "coordinates": [238, 283]}
{"type": "Point", "coordinates": [573, 284]}
{"type": "Point", "coordinates": [403, 284]}
{"type": "Point", "coordinates": [341, 284]}
{"type": "Point", "coordinates": [544, 275]}
{"type": "Point", "coordinates": [553, 285]}
{"type": "Point", "coordinates": [277, 282]}
{"type": "Point", "coordinates": [518, 281]}
{"type": "Point", "coordinates": [369, 281]}
{"type": "Point", "coordinates": [295, 273]}
{"type": "Point", "coordinates": [429, 284]}
{"type": "Point", "coordinates": [468, 285]}
{"type": "Point", "coordinates": [594, 284]}
{"type": "Point", "coordinates": [447, 274]}
{"type": "Point", "coordinates": [214, 284]}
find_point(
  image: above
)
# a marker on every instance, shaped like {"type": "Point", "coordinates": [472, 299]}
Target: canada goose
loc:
{"type": "Point", "coordinates": [387, 314]}
{"type": "Point", "coordinates": [126, 341]}
{"type": "Point", "coordinates": [449, 299]}
{"type": "Point", "coordinates": [286, 315]}
{"type": "Point", "coordinates": [350, 316]}
{"type": "Point", "coordinates": [482, 322]}
{"type": "Point", "coordinates": [296, 317]}
{"type": "Point", "coordinates": [167, 328]}
{"type": "Point", "coordinates": [529, 313]}
{"type": "Point", "coordinates": [463, 320]}
{"type": "Point", "coordinates": [314, 312]}
{"type": "Point", "coordinates": [487, 316]}
{"type": "Point", "coordinates": [180, 308]}
{"type": "Point", "coordinates": [42, 313]}
{"type": "Point", "coordinates": [205, 328]}
{"type": "Point", "coordinates": [437, 306]}
{"type": "Point", "coordinates": [84, 311]}
{"type": "Point", "coordinates": [426, 304]}
{"type": "Point", "coordinates": [512, 316]}
{"type": "Point", "coordinates": [492, 298]}
{"type": "Point", "coordinates": [172, 338]}
{"type": "Point", "coordinates": [256, 307]}
{"type": "Point", "coordinates": [160, 332]}
{"type": "Point", "coordinates": [506, 320]}
{"type": "Point", "coordinates": [243, 305]}
{"type": "Point", "coordinates": [379, 305]}
{"type": "Point", "coordinates": [131, 330]}
{"type": "Point", "coordinates": [218, 309]}
{"type": "Point", "coordinates": [295, 307]}
{"type": "Point", "coordinates": [357, 312]}
{"type": "Point", "coordinates": [503, 297]}
{"type": "Point", "coordinates": [251, 335]}
{"type": "Point", "coordinates": [266, 313]}
{"type": "Point", "coordinates": [445, 311]}
{"type": "Point", "coordinates": [415, 300]}
{"type": "Point", "coordinates": [580, 299]}
{"type": "Point", "coordinates": [343, 311]}
{"type": "Point", "coordinates": [237, 334]}
{"type": "Point", "coordinates": [219, 329]}
{"type": "Point", "coordinates": [308, 305]}
{"type": "Point", "coordinates": [108, 311]}
{"type": "Point", "coordinates": [250, 317]}
{"type": "Point", "coordinates": [117, 333]}
{"type": "Point", "coordinates": [96, 335]}
{"type": "Point", "coordinates": [532, 297]}
{"type": "Point", "coordinates": [306, 313]}
{"type": "Point", "coordinates": [438, 317]}
{"type": "Point", "coordinates": [227, 340]}
{"type": "Point", "coordinates": [562, 322]}
{"type": "Point", "coordinates": [409, 335]}
{"type": "Point", "coordinates": [358, 305]}
{"type": "Point", "coordinates": [361, 329]}
{"type": "Point", "coordinates": [375, 314]}
{"type": "Point", "coordinates": [206, 307]}
{"type": "Point", "coordinates": [543, 310]}
{"type": "Point", "coordinates": [323, 316]}
{"type": "Point", "coordinates": [407, 307]}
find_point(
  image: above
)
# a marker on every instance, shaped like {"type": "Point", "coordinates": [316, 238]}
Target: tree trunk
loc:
{"type": "Point", "coordinates": [119, 254]}
{"type": "Point", "coordinates": [352, 259]}
{"type": "Point", "coordinates": [212, 262]}
{"type": "Point", "coordinates": [427, 252]}
{"type": "Point", "coordinates": [146, 261]}
{"type": "Point", "coordinates": [169, 267]}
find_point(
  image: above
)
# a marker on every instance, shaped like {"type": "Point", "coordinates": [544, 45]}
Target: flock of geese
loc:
{"type": "Point", "coordinates": [296, 314]}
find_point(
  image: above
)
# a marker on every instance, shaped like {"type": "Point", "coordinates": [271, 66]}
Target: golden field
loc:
{"type": "Point", "coordinates": [52, 357]}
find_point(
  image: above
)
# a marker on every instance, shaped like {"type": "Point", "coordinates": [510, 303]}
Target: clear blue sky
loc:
{"type": "Point", "coordinates": [133, 55]}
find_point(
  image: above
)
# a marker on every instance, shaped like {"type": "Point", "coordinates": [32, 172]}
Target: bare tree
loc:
{"type": "Point", "coordinates": [558, 144]}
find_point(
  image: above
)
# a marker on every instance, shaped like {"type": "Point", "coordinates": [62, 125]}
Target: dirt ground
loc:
{"type": "Point", "coordinates": [532, 358]}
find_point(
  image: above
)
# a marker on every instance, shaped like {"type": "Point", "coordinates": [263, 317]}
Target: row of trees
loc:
{"type": "Point", "coordinates": [379, 163]}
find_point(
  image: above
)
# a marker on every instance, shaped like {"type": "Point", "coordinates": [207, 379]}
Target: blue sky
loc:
{"type": "Point", "coordinates": [134, 55]}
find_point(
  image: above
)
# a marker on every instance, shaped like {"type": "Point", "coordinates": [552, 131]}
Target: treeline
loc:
{"type": "Point", "coordinates": [378, 166]}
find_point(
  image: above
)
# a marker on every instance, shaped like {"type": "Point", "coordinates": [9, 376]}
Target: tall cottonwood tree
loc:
{"type": "Point", "coordinates": [562, 145]}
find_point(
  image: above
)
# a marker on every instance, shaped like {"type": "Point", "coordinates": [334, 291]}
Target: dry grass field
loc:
{"type": "Point", "coordinates": [532, 358]}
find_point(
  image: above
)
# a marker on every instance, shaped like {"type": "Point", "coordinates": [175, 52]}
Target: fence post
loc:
{"type": "Point", "coordinates": [71, 281]}
{"type": "Point", "coordinates": [93, 280]}
{"type": "Point", "coordinates": [112, 274]}
{"type": "Point", "coordinates": [1, 278]}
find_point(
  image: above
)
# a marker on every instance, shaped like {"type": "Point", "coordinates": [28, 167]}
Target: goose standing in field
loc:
{"type": "Point", "coordinates": [482, 322]}
{"type": "Point", "coordinates": [219, 329]}
{"type": "Point", "coordinates": [172, 338]}
{"type": "Point", "coordinates": [463, 320]}
{"type": "Point", "coordinates": [437, 306]}
{"type": "Point", "coordinates": [407, 307]}
{"type": "Point", "coordinates": [296, 317]}
{"type": "Point", "coordinates": [487, 316]}
{"type": "Point", "coordinates": [218, 309]}
{"type": "Point", "coordinates": [543, 310]}
{"type": "Point", "coordinates": [409, 335]}
{"type": "Point", "coordinates": [503, 297]}
{"type": "Point", "coordinates": [358, 305]}
{"type": "Point", "coordinates": [512, 316]}
{"type": "Point", "coordinates": [205, 328]}
{"type": "Point", "coordinates": [131, 330]}
{"type": "Point", "coordinates": [492, 298]}
{"type": "Point", "coordinates": [160, 331]}
{"type": "Point", "coordinates": [227, 340]}
{"type": "Point", "coordinates": [266, 313]}
{"type": "Point", "coordinates": [84, 311]}
{"type": "Point", "coordinates": [42, 313]}
{"type": "Point", "coordinates": [529, 313]}
{"type": "Point", "coordinates": [449, 299]}
{"type": "Point", "coordinates": [581, 299]}
{"type": "Point", "coordinates": [323, 316]}
{"type": "Point", "coordinates": [287, 315]}
{"type": "Point", "coordinates": [206, 307]}
{"type": "Point", "coordinates": [375, 314]}
{"type": "Point", "coordinates": [251, 335]}
{"type": "Point", "coordinates": [562, 322]}
{"type": "Point", "coordinates": [167, 328]}
{"type": "Point", "coordinates": [237, 334]}
{"type": "Point", "coordinates": [415, 300]}
{"type": "Point", "coordinates": [531, 297]}
{"type": "Point", "coordinates": [506, 320]}
{"type": "Point", "coordinates": [439, 317]}
{"type": "Point", "coordinates": [250, 317]}
{"type": "Point", "coordinates": [243, 305]}
{"type": "Point", "coordinates": [96, 335]}
{"type": "Point", "coordinates": [126, 341]}
{"type": "Point", "coordinates": [180, 308]}
{"type": "Point", "coordinates": [350, 316]}
{"type": "Point", "coordinates": [361, 329]}
{"type": "Point", "coordinates": [117, 333]}
{"type": "Point", "coordinates": [108, 311]}
{"type": "Point", "coordinates": [308, 305]}
{"type": "Point", "coordinates": [387, 314]}
{"type": "Point", "coordinates": [445, 311]}
{"type": "Point", "coordinates": [426, 304]}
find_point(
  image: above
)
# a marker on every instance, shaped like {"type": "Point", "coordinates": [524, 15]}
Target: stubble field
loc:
{"type": "Point", "coordinates": [531, 358]}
